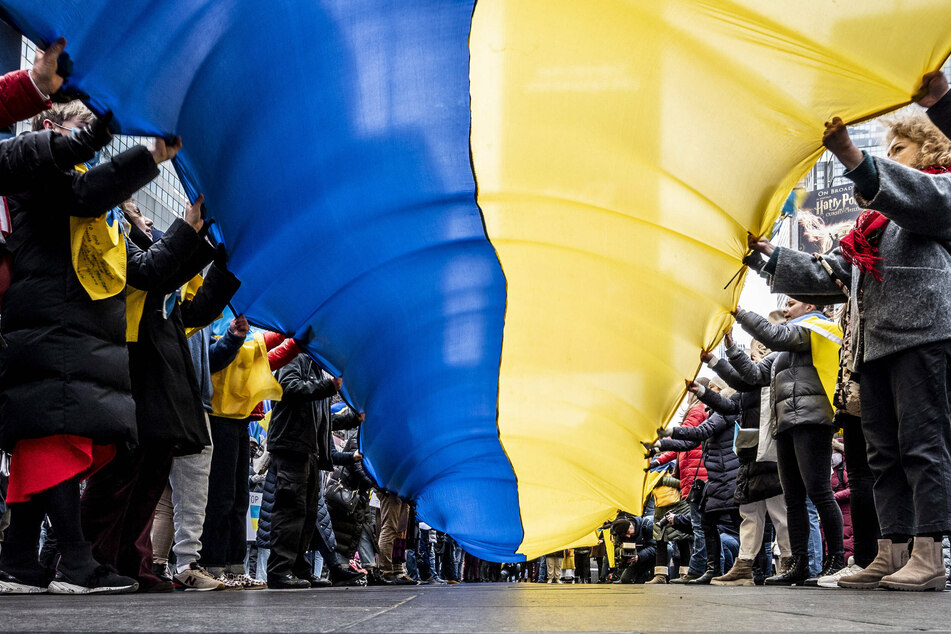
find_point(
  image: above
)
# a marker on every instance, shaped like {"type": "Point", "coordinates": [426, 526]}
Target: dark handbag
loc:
{"type": "Point", "coordinates": [342, 497]}
{"type": "Point", "coordinates": [697, 487]}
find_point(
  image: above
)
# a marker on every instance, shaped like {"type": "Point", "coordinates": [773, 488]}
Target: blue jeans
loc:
{"type": "Point", "coordinates": [698, 558]}
{"type": "Point", "coordinates": [729, 548]}
{"type": "Point", "coordinates": [318, 563]}
{"type": "Point", "coordinates": [425, 558]}
{"type": "Point", "coordinates": [815, 540]}
{"type": "Point", "coordinates": [261, 571]}
{"type": "Point", "coordinates": [451, 560]}
{"type": "Point", "coordinates": [411, 568]}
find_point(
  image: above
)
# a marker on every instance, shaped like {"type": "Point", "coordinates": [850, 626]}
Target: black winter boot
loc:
{"type": "Point", "coordinates": [20, 571]}
{"type": "Point", "coordinates": [341, 576]}
{"type": "Point", "coordinates": [831, 565]}
{"type": "Point", "coordinates": [795, 575]}
{"type": "Point", "coordinates": [712, 572]}
{"type": "Point", "coordinates": [79, 573]}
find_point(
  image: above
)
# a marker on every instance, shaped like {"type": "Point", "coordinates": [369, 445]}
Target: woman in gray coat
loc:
{"type": "Point", "coordinates": [897, 265]}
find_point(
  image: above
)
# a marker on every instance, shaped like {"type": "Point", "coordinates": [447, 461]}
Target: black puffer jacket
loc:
{"type": "Point", "coordinates": [267, 507]}
{"type": "Point", "coordinates": [325, 528]}
{"type": "Point", "coordinates": [796, 393]}
{"type": "Point", "coordinates": [349, 526]}
{"type": "Point", "coordinates": [716, 434]}
{"type": "Point", "coordinates": [301, 421]}
{"type": "Point", "coordinates": [66, 370]}
{"type": "Point", "coordinates": [169, 409]}
{"type": "Point", "coordinates": [755, 481]}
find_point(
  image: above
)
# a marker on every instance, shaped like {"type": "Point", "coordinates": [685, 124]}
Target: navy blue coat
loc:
{"type": "Point", "coordinates": [716, 434]}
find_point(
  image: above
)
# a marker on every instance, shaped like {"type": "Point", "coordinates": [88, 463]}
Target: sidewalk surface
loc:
{"type": "Point", "coordinates": [495, 607]}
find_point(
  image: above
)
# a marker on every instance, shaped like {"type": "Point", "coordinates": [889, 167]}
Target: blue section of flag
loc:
{"type": "Point", "coordinates": [331, 141]}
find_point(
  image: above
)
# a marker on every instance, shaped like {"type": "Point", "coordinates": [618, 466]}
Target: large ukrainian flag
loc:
{"type": "Point", "coordinates": [507, 224]}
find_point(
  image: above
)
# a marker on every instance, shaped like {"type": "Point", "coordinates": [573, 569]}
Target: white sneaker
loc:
{"type": "Point", "coordinates": [197, 578]}
{"type": "Point", "coordinates": [832, 581]}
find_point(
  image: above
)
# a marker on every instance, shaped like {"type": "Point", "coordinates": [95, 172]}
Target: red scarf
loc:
{"type": "Point", "coordinates": [860, 246]}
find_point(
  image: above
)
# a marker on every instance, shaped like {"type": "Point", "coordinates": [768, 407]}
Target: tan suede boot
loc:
{"type": "Point", "coordinates": [924, 570]}
{"type": "Point", "coordinates": [660, 575]}
{"type": "Point", "coordinates": [890, 558]}
{"type": "Point", "coordinates": [741, 574]}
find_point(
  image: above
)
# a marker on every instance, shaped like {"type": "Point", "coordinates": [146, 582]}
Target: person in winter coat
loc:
{"type": "Point", "coordinates": [348, 501]}
{"type": "Point", "coordinates": [667, 499]}
{"type": "Point", "coordinates": [177, 516]}
{"type": "Point", "coordinates": [300, 444]}
{"type": "Point", "coordinates": [634, 566]}
{"type": "Point", "coordinates": [758, 489]}
{"type": "Point", "coordinates": [224, 531]}
{"type": "Point", "coordinates": [840, 488]}
{"type": "Point", "coordinates": [194, 494]}
{"type": "Point", "coordinates": [689, 468]}
{"type": "Point", "coordinates": [119, 501]}
{"type": "Point", "coordinates": [716, 434]}
{"type": "Point", "coordinates": [896, 262]}
{"type": "Point", "coordinates": [24, 93]}
{"type": "Point", "coordinates": [801, 419]}
{"type": "Point", "coordinates": [66, 404]}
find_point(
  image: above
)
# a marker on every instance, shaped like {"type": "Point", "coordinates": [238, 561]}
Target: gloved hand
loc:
{"type": "Point", "coordinates": [663, 432]}
{"type": "Point", "coordinates": [651, 450]}
{"type": "Point", "coordinates": [755, 261]}
{"type": "Point", "coordinates": [221, 256]}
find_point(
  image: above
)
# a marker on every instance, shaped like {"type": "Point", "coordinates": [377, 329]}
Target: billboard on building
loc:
{"type": "Point", "coordinates": [824, 216]}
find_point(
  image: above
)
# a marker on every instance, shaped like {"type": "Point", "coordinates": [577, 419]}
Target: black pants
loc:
{"type": "Point", "coordinates": [224, 535]}
{"type": "Point", "coordinates": [905, 414]}
{"type": "Point", "coordinates": [683, 553]}
{"type": "Point", "coordinates": [710, 522]}
{"type": "Point", "coordinates": [118, 508]}
{"type": "Point", "coordinates": [294, 516]}
{"type": "Point", "coordinates": [583, 567]}
{"type": "Point", "coordinates": [804, 457]}
{"type": "Point", "coordinates": [865, 530]}
{"type": "Point", "coordinates": [639, 570]}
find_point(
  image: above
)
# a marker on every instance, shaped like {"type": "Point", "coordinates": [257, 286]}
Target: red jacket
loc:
{"type": "Point", "coordinates": [688, 461]}
{"type": "Point", "coordinates": [19, 98]}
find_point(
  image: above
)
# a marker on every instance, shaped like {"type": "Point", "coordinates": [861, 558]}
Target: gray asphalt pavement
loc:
{"type": "Point", "coordinates": [486, 608]}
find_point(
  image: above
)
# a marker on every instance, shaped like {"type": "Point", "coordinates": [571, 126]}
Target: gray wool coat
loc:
{"type": "Point", "coordinates": [912, 305]}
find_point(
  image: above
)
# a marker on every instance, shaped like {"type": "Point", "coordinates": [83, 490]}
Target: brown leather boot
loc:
{"type": "Point", "coordinates": [660, 575]}
{"type": "Point", "coordinates": [924, 570]}
{"type": "Point", "coordinates": [890, 558]}
{"type": "Point", "coordinates": [741, 574]}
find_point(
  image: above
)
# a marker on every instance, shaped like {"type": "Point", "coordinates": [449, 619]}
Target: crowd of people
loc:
{"type": "Point", "coordinates": [827, 443]}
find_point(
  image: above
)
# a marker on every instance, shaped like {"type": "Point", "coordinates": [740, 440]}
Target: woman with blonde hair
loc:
{"type": "Point", "coordinates": [894, 268]}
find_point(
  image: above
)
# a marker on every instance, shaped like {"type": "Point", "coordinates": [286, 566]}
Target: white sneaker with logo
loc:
{"type": "Point", "coordinates": [832, 581]}
{"type": "Point", "coordinates": [198, 579]}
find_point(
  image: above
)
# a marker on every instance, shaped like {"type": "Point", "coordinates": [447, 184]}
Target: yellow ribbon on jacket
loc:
{"type": "Point", "coordinates": [188, 293]}
{"type": "Point", "coordinates": [134, 307]}
{"type": "Point", "coordinates": [245, 382]}
{"type": "Point", "coordinates": [826, 340]}
{"type": "Point", "coordinates": [98, 252]}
